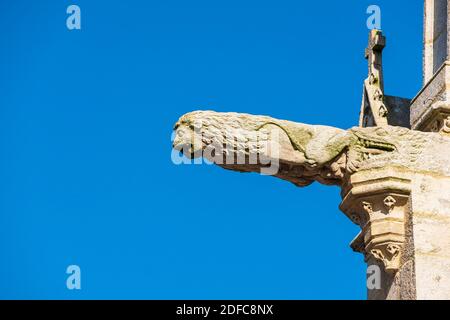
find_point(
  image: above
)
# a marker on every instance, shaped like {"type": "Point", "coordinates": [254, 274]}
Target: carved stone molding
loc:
{"type": "Point", "coordinates": [389, 254]}
{"type": "Point", "coordinates": [431, 106]}
{"type": "Point", "coordinates": [377, 203]}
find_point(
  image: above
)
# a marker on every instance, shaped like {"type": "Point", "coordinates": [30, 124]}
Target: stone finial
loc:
{"type": "Point", "coordinates": [373, 110]}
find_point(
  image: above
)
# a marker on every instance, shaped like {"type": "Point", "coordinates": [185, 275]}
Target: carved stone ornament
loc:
{"type": "Point", "coordinates": [382, 112]}
{"type": "Point", "coordinates": [372, 79]}
{"type": "Point", "coordinates": [381, 215]}
{"type": "Point", "coordinates": [389, 254]}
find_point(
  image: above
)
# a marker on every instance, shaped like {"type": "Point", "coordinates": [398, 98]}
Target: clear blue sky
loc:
{"type": "Point", "coordinates": [85, 126]}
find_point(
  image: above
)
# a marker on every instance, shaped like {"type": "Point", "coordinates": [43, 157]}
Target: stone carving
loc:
{"type": "Point", "coordinates": [312, 153]}
{"type": "Point", "coordinates": [389, 254]}
{"type": "Point", "coordinates": [431, 105]}
{"type": "Point", "coordinates": [372, 79]}
{"type": "Point", "coordinates": [389, 202]}
{"type": "Point", "coordinates": [395, 182]}
{"type": "Point", "coordinates": [307, 153]}
{"type": "Point", "coordinates": [378, 96]}
{"type": "Point", "coordinates": [330, 156]}
{"type": "Point", "coordinates": [367, 207]}
{"type": "Point", "coordinates": [381, 215]}
{"type": "Point", "coordinates": [382, 111]}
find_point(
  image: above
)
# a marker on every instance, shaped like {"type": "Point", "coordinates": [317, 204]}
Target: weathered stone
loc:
{"type": "Point", "coordinates": [384, 173]}
{"type": "Point", "coordinates": [378, 109]}
{"type": "Point", "coordinates": [395, 182]}
{"type": "Point", "coordinates": [436, 37]}
{"type": "Point", "coordinates": [430, 109]}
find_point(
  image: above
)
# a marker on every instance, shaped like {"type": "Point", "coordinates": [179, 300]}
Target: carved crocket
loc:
{"type": "Point", "coordinates": [303, 153]}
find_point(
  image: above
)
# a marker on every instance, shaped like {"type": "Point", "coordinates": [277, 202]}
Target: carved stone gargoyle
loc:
{"type": "Point", "coordinates": [306, 153]}
{"type": "Point", "coordinates": [395, 182]}
{"type": "Point", "coordinates": [373, 166]}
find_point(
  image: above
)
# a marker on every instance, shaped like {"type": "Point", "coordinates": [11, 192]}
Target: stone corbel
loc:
{"type": "Point", "coordinates": [377, 203]}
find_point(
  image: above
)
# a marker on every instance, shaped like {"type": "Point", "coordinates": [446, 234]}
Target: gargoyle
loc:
{"type": "Point", "coordinates": [302, 153]}
{"type": "Point", "coordinates": [394, 181]}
